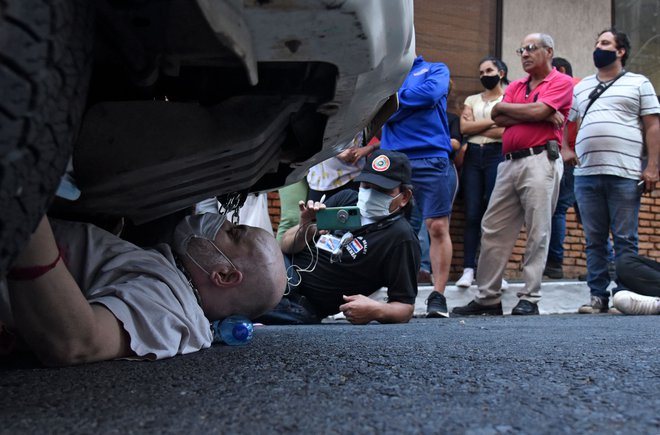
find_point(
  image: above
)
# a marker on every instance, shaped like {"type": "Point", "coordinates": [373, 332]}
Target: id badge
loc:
{"type": "Point", "coordinates": [328, 242]}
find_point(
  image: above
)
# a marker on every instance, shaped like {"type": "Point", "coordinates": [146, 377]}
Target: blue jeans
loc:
{"type": "Point", "coordinates": [477, 180]}
{"type": "Point", "coordinates": [607, 203]}
{"type": "Point", "coordinates": [564, 202]}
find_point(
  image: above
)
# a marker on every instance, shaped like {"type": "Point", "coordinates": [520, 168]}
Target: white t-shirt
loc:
{"type": "Point", "coordinates": [610, 140]}
{"type": "Point", "coordinates": [481, 110]}
{"type": "Point", "coordinates": [143, 288]}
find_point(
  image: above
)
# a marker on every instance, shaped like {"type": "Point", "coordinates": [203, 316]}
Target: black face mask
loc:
{"type": "Point", "coordinates": [489, 82]}
{"type": "Point", "coordinates": [603, 58]}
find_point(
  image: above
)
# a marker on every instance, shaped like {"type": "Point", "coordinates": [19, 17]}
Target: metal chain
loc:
{"type": "Point", "coordinates": [231, 203]}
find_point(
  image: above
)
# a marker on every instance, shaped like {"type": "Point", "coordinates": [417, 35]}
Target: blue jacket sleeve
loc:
{"type": "Point", "coordinates": [428, 92]}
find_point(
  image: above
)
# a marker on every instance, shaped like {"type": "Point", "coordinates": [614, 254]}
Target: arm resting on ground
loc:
{"type": "Point", "coordinates": [53, 316]}
{"type": "Point", "coordinates": [360, 309]}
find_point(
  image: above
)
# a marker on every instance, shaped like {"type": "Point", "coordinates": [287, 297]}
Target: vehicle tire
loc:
{"type": "Point", "coordinates": [45, 62]}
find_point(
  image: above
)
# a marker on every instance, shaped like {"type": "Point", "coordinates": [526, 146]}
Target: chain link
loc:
{"type": "Point", "coordinates": [231, 203]}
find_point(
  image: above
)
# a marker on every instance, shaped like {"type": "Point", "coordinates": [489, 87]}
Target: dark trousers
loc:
{"type": "Point", "coordinates": [477, 181]}
{"type": "Point", "coordinates": [639, 274]}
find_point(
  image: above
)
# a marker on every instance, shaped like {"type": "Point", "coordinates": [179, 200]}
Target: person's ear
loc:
{"type": "Point", "coordinates": [407, 195]}
{"type": "Point", "coordinates": [228, 277]}
{"type": "Point", "coordinates": [620, 52]}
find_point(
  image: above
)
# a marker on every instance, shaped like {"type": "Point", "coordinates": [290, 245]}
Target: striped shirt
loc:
{"type": "Point", "coordinates": [611, 137]}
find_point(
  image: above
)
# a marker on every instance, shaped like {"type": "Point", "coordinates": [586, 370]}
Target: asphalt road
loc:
{"type": "Point", "coordinates": [545, 374]}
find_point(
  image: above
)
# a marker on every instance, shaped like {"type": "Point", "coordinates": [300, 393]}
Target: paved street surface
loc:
{"type": "Point", "coordinates": [545, 374]}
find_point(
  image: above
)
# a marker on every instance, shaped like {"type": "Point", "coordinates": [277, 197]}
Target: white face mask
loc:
{"type": "Point", "coordinates": [203, 226]}
{"type": "Point", "coordinates": [374, 204]}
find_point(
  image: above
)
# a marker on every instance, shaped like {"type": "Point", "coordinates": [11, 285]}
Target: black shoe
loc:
{"type": "Point", "coordinates": [525, 308]}
{"type": "Point", "coordinates": [476, 309]}
{"type": "Point", "coordinates": [553, 270]}
{"type": "Point", "coordinates": [291, 310]}
{"type": "Point", "coordinates": [436, 305]}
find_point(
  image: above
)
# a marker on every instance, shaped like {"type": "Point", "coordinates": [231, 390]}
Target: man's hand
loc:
{"type": "Point", "coordinates": [556, 119]}
{"type": "Point", "coordinates": [650, 177]}
{"type": "Point", "coordinates": [348, 156]}
{"type": "Point", "coordinates": [308, 211]}
{"type": "Point", "coordinates": [359, 309]}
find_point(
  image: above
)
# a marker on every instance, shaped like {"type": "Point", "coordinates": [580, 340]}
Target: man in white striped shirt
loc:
{"type": "Point", "coordinates": [620, 127]}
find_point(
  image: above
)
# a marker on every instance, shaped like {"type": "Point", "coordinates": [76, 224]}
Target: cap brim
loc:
{"type": "Point", "coordinates": [378, 180]}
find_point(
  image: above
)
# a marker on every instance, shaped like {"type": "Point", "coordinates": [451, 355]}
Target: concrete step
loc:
{"type": "Point", "coordinates": [557, 297]}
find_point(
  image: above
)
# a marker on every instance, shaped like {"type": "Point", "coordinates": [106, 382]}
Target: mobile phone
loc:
{"type": "Point", "coordinates": [641, 187]}
{"type": "Point", "coordinates": [338, 218]}
{"type": "Point", "coordinates": [553, 149]}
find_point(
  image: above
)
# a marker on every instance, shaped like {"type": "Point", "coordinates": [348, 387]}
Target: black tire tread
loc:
{"type": "Point", "coordinates": [45, 58]}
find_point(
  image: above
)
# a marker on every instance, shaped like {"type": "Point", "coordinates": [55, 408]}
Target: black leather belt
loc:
{"type": "Point", "coordinates": [481, 145]}
{"type": "Point", "coordinates": [524, 153]}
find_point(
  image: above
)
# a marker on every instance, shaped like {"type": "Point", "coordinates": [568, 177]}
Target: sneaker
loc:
{"type": "Point", "coordinates": [597, 305]}
{"type": "Point", "coordinates": [505, 284]}
{"type": "Point", "coordinates": [465, 281]}
{"type": "Point", "coordinates": [553, 270]}
{"type": "Point", "coordinates": [424, 277]}
{"type": "Point", "coordinates": [436, 305]}
{"type": "Point", "coordinates": [633, 303]}
{"type": "Point", "coordinates": [475, 309]}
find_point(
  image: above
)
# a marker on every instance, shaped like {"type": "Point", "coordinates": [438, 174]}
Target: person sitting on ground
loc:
{"type": "Point", "coordinates": [642, 276]}
{"type": "Point", "coordinates": [79, 294]}
{"type": "Point", "coordinates": [384, 252]}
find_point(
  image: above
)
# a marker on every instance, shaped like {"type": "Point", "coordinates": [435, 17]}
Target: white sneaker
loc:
{"type": "Point", "coordinates": [632, 303]}
{"type": "Point", "coordinates": [466, 280]}
{"type": "Point", "coordinates": [505, 284]}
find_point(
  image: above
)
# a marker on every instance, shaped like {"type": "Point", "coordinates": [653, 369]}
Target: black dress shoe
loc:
{"type": "Point", "coordinates": [476, 309]}
{"type": "Point", "coordinates": [525, 308]}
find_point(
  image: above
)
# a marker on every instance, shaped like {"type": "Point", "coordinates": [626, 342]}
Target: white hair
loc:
{"type": "Point", "coordinates": [547, 40]}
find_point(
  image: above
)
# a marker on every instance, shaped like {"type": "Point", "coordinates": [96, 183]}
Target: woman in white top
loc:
{"type": "Point", "coordinates": [482, 154]}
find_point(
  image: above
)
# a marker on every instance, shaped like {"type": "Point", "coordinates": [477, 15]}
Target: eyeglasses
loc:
{"type": "Point", "coordinates": [531, 48]}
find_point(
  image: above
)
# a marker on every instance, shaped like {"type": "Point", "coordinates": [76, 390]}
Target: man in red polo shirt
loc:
{"type": "Point", "coordinates": [533, 111]}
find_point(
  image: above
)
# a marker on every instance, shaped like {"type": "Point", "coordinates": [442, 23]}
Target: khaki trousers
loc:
{"type": "Point", "coordinates": [526, 191]}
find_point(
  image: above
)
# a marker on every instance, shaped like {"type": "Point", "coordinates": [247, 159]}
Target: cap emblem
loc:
{"type": "Point", "coordinates": [381, 163]}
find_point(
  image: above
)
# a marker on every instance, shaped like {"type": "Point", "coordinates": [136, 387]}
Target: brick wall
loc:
{"type": "Point", "coordinates": [574, 256]}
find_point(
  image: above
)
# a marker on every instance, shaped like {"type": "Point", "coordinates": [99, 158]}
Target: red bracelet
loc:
{"type": "Point", "coordinates": [33, 272]}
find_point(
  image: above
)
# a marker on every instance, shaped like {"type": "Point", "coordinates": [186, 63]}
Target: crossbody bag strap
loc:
{"type": "Point", "coordinates": [593, 100]}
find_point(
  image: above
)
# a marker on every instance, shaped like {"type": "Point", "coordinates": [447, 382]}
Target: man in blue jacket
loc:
{"type": "Point", "coordinates": [420, 130]}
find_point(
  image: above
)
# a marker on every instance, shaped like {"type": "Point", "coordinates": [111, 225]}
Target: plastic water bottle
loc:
{"type": "Point", "coordinates": [234, 331]}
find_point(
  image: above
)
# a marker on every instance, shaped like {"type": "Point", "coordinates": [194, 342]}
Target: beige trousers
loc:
{"type": "Point", "coordinates": [526, 191]}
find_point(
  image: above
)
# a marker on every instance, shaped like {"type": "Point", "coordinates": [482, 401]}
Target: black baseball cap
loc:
{"type": "Point", "coordinates": [387, 169]}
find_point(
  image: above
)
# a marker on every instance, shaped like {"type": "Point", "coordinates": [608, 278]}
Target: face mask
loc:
{"type": "Point", "coordinates": [374, 204]}
{"type": "Point", "coordinates": [203, 226]}
{"type": "Point", "coordinates": [489, 82]}
{"type": "Point", "coordinates": [603, 58]}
